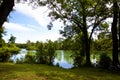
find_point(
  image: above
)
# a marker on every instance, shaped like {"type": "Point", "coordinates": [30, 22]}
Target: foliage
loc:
{"type": "Point", "coordinates": [49, 26]}
{"type": "Point", "coordinates": [30, 57]}
{"type": "Point", "coordinates": [79, 50]}
{"type": "Point", "coordinates": [2, 42]}
{"type": "Point", "coordinates": [70, 31]}
{"type": "Point", "coordinates": [105, 61]}
{"type": "Point", "coordinates": [41, 56]}
{"type": "Point", "coordinates": [12, 39]}
{"type": "Point", "coordinates": [45, 53]}
{"type": "Point", "coordinates": [83, 14]}
{"type": "Point", "coordinates": [104, 42]}
{"type": "Point", "coordinates": [30, 45]}
{"type": "Point", "coordinates": [7, 49]}
{"type": "Point", "coordinates": [2, 32]}
{"type": "Point", "coordinates": [21, 45]}
{"type": "Point", "coordinates": [78, 58]}
{"type": "Point", "coordinates": [50, 52]}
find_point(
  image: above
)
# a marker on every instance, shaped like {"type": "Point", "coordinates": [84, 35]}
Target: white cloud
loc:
{"type": "Point", "coordinates": [30, 32]}
{"type": "Point", "coordinates": [24, 32]}
{"type": "Point", "coordinates": [17, 27]}
{"type": "Point", "coordinates": [39, 14]}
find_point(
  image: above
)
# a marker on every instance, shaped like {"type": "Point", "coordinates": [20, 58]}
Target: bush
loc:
{"type": "Point", "coordinates": [29, 58]}
{"type": "Point", "coordinates": [4, 54]}
{"type": "Point", "coordinates": [78, 58]}
{"type": "Point", "coordinates": [6, 51]}
{"type": "Point", "coordinates": [105, 61]}
{"type": "Point", "coordinates": [41, 56]}
{"type": "Point", "coordinates": [45, 54]}
{"type": "Point", "coordinates": [50, 53]}
{"type": "Point", "coordinates": [19, 61]}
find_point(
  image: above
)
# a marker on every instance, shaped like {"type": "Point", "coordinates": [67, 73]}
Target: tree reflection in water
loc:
{"type": "Point", "coordinates": [63, 59]}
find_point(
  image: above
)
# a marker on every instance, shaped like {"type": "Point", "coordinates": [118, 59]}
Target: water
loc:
{"type": "Point", "coordinates": [61, 57]}
{"type": "Point", "coordinates": [64, 59]}
{"type": "Point", "coordinates": [19, 56]}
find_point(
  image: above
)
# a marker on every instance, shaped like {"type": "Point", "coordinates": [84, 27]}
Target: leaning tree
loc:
{"type": "Point", "coordinates": [6, 6]}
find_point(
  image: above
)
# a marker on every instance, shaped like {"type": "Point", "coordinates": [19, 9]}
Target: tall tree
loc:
{"type": "Point", "coordinates": [5, 8]}
{"type": "Point", "coordinates": [114, 33]}
{"type": "Point", "coordinates": [50, 51]}
{"type": "Point", "coordinates": [12, 39]}
{"type": "Point", "coordinates": [119, 25]}
{"type": "Point", "coordinates": [84, 14]}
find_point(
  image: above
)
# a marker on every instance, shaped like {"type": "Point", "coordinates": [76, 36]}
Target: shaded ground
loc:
{"type": "Point", "coordinates": [10, 71]}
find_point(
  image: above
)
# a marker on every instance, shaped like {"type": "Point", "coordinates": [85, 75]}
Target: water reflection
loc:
{"type": "Point", "coordinates": [19, 56]}
{"type": "Point", "coordinates": [63, 58]}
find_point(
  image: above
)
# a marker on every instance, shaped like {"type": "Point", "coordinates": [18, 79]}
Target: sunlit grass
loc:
{"type": "Point", "coordinates": [10, 71]}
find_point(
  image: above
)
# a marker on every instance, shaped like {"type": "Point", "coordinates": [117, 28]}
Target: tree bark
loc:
{"type": "Point", "coordinates": [119, 28]}
{"type": "Point", "coordinates": [5, 8]}
{"type": "Point", "coordinates": [87, 43]}
{"type": "Point", "coordinates": [87, 48]}
{"type": "Point", "coordinates": [85, 33]}
{"type": "Point", "coordinates": [114, 35]}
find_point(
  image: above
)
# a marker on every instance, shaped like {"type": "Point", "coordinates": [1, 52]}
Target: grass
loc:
{"type": "Point", "coordinates": [10, 71]}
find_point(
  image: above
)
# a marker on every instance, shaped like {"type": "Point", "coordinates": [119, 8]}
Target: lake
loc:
{"type": "Point", "coordinates": [62, 58]}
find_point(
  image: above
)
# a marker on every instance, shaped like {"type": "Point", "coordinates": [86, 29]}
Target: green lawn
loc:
{"type": "Point", "coordinates": [10, 71]}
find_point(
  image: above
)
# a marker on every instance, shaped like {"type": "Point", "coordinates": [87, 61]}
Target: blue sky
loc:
{"type": "Point", "coordinates": [26, 23]}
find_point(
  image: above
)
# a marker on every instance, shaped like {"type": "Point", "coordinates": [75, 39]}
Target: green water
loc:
{"type": "Point", "coordinates": [63, 58]}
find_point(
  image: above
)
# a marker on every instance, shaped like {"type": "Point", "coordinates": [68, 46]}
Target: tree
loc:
{"type": "Point", "coordinates": [119, 25]}
{"type": "Point", "coordinates": [12, 39]}
{"type": "Point", "coordinates": [83, 13]}
{"type": "Point", "coordinates": [6, 50]}
{"type": "Point", "coordinates": [41, 54]}
{"type": "Point", "coordinates": [104, 41]}
{"type": "Point", "coordinates": [50, 51]}
{"type": "Point", "coordinates": [5, 8]}
{"type": "Point", "coordinates": [30, 45]}
{"type": "Point", "coordinates": [114, 34]}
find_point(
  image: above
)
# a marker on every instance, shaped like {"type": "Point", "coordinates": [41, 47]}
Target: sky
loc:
{"type": "Point", "coordinates": [26, 23]}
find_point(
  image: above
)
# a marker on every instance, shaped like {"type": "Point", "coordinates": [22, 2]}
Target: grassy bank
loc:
{"type": "Point", "coordinates": [10, 71]}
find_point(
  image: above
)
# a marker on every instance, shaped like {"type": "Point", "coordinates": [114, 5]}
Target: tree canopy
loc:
{"type": "Point", "coordinates": [84, 14]}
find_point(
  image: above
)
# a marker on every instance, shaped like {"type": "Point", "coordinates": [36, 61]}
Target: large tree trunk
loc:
{"type": "Point", "coordinates": [119, 28]}
{"type": "Point", "coordinates": [114, 35]}
{"type": "Point", "coordinates": [85, 33]}
{"type": "Point", "coordinates": [5, 8]}
{"type": "Point", "coordinates": [87, 47]}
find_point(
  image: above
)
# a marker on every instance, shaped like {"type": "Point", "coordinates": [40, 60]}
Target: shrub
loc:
{"type": "Point", "coordinates": [29, 58]}
{"type": "Point", "coordinates": [45, 54]}
{"type": "Point", "coordinates": [19, 61]}
{"type": "Point", "coordinates": [4, 54]}
{"type": "Point", "coordinates": [105, 61]}
{"type": "Point", "coordinates": [78, 58]}
{"type": "Point", "coordinates": [6, 51]}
